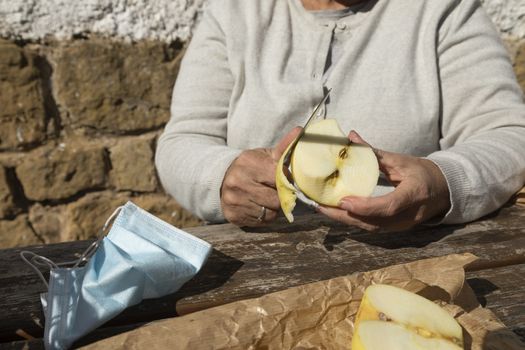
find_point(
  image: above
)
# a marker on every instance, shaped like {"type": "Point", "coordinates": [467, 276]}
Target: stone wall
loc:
{"type": "Point", "coordinates": [79, 120]}
{"type": "Point", "coordinates": [84, 94]}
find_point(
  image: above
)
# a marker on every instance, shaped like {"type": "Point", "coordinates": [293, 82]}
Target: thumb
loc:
{"type": "Point", "coordinates": [278, 150]}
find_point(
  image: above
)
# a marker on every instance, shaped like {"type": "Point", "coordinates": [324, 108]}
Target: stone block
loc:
{"type": "Point", "coordinates": [22, 116]}
{"type": "Point", "coordinates": [85, 218]}
{"type": "Point", "coordinates": [166, 208]}
{"type": "Point", "coordinates": [7, 205]}
{"type": "Point", "coordinates": [519, 64]}
{"type": "Point", "coordinates": [113, 86]}
{"type": "Point", "coordinates": [52, 173]}
{"type": "Point", "coordinates": [132, 165]}
{"type": "Point", "coordinates": [47, 222]}
{"type": "Point", "coordinates": [17, 233]}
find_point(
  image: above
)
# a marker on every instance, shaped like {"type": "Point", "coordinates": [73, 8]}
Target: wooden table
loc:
{"type": "Point", "coordinates": [252, 262]}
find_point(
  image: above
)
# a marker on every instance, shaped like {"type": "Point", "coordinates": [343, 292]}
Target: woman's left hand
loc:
{"type": "Point", "coordinates": [421, 193]}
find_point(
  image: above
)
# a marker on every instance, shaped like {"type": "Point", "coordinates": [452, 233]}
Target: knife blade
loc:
{"type": "Point", "coordinates": [314, 112]}
{"type": "Point", "coordinates": [310, 118]}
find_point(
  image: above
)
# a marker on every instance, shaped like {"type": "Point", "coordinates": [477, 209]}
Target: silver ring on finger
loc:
{"type": "Point", "coordinates": [261, 217]}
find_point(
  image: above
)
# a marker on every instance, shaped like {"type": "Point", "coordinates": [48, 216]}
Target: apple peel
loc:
{"type": "Point", "coordinates": [285, 190]}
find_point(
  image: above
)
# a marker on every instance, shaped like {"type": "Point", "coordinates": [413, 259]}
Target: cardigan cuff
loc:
{"type": "Point", "coordinates": [458, 187]}
{"type": "Point", "coordinates": [213, 209]}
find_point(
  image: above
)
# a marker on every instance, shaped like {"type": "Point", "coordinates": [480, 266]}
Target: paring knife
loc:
{"type": "Point", "coordinates": [310, 118]}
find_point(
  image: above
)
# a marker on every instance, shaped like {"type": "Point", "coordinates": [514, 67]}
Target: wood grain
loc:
{"type": "Point", "coordinates": [249, 263]}
{"type": "Point", "coordinates": [499, 289]}
{"type": "Point", "coordinates": [502, 290]}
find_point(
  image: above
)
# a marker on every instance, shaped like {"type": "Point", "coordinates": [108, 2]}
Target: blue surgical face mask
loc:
{"type": "Point", "coordinates": [142, 257]}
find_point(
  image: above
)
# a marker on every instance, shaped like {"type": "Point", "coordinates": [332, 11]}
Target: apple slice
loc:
{"type": "Point", "coordinates": [379, 335]}
{"type": "Point", "coordinates": [419, 317]}
{"type": "Point", "coordinates": [326, 167]}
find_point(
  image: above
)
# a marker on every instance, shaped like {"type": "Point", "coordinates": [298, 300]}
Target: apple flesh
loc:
{"type": "Point", "coordinates": [378, 335]}
{"type": "Point", "coordinates": [391, 315]}
{"type": "Point", "coordinates": [325, 167]}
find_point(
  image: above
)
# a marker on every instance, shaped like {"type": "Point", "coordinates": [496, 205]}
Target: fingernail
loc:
{"type": "Point", "coordinates": [353, 136]}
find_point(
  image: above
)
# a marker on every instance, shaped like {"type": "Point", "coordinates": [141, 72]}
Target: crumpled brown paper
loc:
{"type": "Point", "coordinates": [320, 315]}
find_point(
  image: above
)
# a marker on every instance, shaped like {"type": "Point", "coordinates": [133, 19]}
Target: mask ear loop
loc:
{"type": "Point", "coordinates": [88, 253]}
{"type": "Point", "coordinates": [38, 260]}
{"type": "Point", "coordinates": [84, 257]}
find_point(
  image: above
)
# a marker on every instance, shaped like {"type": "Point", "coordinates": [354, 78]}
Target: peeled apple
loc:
{"type": "Point", "coordinates": [325, 167]}
{"type": "Point", "coordinates": [391, 318]}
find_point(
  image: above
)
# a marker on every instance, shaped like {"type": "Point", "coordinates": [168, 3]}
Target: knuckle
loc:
{"type": "Point", "coordinates": [231, 181]}
{"type": "Point", "coordinates": [229, 198]}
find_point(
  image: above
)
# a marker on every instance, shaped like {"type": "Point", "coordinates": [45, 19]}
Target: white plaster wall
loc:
{"type": "Point", "coordinates": [508, 15]}
{"type": "Point", "coordinates": [165, 20]}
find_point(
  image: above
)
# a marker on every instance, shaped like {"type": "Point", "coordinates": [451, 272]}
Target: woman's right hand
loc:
{"type": "Point", "coordinates": [249, 185]}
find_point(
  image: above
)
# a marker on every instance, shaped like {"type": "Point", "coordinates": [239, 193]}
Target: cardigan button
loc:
{"type": "Point", "coordinates": [330, 25]}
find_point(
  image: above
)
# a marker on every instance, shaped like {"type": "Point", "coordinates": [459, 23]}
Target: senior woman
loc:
{"type": "Point", "coordinates": [427, 83]}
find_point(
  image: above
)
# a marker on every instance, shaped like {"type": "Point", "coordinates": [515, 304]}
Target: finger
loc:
{"type": "Point", "coordinates": [346, 218]}
{"type": "Point", "coordinates": [278, 150]}
{"type": "Point", "coordinates": [264, 172]}
{"type": "Point", "coordinates": [233, 216]}
{"type": "Point", "coordinates": [255, 165]}
{"type": "Point", "coordinates": [257, 215]}
{"type": "Point", "coordinates": [388, 205]}
{"type": "Point", "coordinates": [386, 160]}
{"type": "Point", "coordinates": [251, 194]}
{"type": "Point", "coordinates": [265, 196]}
{"type": "Point", "coordinates": [264, 217]}
{"type": "Point", "coordinates": [248, 213]}
{"type": "Point", "coordinates": [356, 138]}
{"type": "Point", "coordinates": [371, 224]}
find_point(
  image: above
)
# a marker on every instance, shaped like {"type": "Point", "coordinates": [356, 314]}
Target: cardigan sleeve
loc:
{"type": "Point", "coordinates": [482, 141]}
{"type": "Point", "coordinates": [192, 155]}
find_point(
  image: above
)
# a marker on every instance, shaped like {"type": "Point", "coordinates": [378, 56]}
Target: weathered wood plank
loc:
{"type": "Point", "coordinates": [250, 263]}
{"type": "Point", "coordinates": [502, 290]}
{"type": "Point", "coordinates": [37, 344]}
